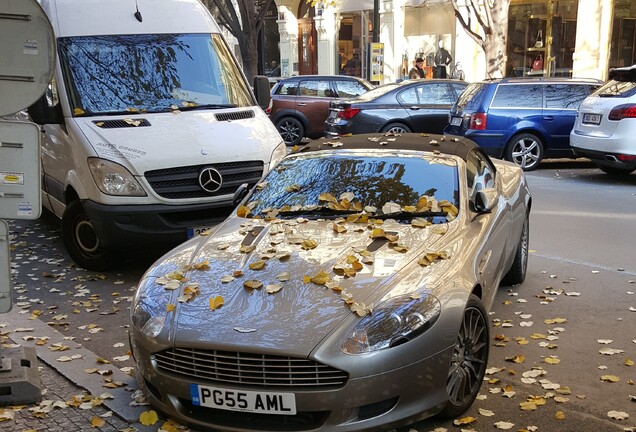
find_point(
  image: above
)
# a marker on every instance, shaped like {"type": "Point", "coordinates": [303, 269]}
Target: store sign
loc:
{"type": "Point", "coordinates": [377, 62]}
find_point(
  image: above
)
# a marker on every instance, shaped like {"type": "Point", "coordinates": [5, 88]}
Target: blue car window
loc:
{"type": "Point", "coordinates": [518, 96]}
{"type": "Point", "coordinates": [564, 96]}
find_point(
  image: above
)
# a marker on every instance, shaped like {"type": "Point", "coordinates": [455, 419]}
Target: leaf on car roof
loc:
{"type": "Point", "coordinates": [380, 233]}
{"type": "Point", "coordinates": [202, 265]}
{"type": "Point", "coordinates": [273, 288]}
{"type": "Point", "coordinates": [430, 257]}
{"type": "Point", "coordinates": [339, 228]}
{"type": "Point", "coordinates": [391, 207]}
{"type": "Point", "coordinates": [252, 284]}
{"type": "Point", "coordinates": [610, 378]}
{"type": "Point", "coordinates": [257, 265]}
{"type": "Point", "coordinates": [309, 244]}
{"type": "Point", "coordinates": [420, 223]}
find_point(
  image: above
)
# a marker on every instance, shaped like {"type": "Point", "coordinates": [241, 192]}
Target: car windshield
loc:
{"type": "Point", "coordinates": [150, 73]}
{"type": "Point", "coordinates": [380, 184]}
{"type": "Point", "coordinates": [614, 88]}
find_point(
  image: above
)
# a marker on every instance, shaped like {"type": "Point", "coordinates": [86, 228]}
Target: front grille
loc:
{"type": "Point", "coordinates": [235, 115]}
{"type": "Point", "coordinates": [183, 182]}
{"type": "Point", "coordinates": [118, 124]}
{"type": "Point", "coordinates": [248, 369]}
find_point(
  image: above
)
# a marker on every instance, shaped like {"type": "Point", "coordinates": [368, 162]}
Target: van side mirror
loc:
{"type": "Point", "coordinates": [486, 200]}
{"type": "Point", "coordinates": [262, 91]}
{"type": "Point", "coordinates": [41, 113]}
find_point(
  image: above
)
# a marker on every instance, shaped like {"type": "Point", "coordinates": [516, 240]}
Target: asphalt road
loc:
{"type": "Point", "coordinates": [579, 291]}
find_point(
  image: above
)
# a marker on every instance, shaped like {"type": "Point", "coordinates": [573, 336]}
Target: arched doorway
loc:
{"type": "Point", "coordinates": [307, 38]}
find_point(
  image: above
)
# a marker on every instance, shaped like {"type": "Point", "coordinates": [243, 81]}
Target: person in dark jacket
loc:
{"type": "Point", "coordinates": [418, 71]}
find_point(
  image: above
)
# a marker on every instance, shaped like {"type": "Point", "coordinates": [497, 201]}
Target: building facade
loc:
{"type": "Point", "coordinates": [582, 38]}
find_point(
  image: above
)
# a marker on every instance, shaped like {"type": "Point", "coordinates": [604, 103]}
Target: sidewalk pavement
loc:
{"type": "Point", "coordinates": [103, 396]}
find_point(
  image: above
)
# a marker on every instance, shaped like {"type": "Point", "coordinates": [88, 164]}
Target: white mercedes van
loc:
{"type": "Point", "coordinates": [150, 130]}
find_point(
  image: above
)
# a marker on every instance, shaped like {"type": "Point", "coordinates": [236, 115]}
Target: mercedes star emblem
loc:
{"type": "Point", "coordinates": [210, 180]}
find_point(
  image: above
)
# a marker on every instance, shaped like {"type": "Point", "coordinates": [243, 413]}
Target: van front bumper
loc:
{"type": "Point", "coordinates": [140, 225]}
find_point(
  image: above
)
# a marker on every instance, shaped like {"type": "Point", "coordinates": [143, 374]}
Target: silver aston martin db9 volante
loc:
{"type": "Point", "coordinates": [349, 290]}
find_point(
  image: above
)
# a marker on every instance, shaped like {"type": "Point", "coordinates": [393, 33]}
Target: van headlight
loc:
{"type": "Point", "coordinates": [393, 322]}
{"type": "Point", "coordinates": [113, 179]}
{"type": "Point", "coordinates": [279, 152]}
{"type": "Point", "coordinates": [149, 309]}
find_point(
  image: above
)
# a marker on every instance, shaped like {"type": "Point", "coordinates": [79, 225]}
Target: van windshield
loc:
{"type": "Point", "coordinates": [150, 73]}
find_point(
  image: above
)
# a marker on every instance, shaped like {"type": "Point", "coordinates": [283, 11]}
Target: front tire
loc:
{"type": "Point", "coordinates": [525, 150]}
{"type": "Point", "coordinates": [82, 241]}
{"type": "Point", "coordinates": [517, 273]}
{"type": "Point", "coordinates": [469, 359]}
{"type": "Point", "coordinates": [291, 129]}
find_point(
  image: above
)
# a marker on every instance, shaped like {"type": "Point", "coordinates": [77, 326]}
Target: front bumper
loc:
{"type": "Point", "coordinates": [377, 402]}
{"type": "Point", "coordinates": [135, 225]}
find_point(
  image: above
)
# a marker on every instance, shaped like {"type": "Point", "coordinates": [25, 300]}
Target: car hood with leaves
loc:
{"type": "Point", "coordinates": [286, 284]}
{"type": "Point", "coordinates": [138, 141]}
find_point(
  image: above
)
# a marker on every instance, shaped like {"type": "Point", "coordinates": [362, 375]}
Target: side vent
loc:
{"type": "Point", "coordinates": [236, 115]}
{"type": "Point", "coordinates": [118, 124]}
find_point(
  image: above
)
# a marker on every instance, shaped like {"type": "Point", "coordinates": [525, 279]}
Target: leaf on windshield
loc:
{"type": "Point", "coordinates": [309, 244]}
{"type": "Point", "coordinates": [398, 247]}
{"type": "Point", "coordinates": [216, 302]}
{"type": "Point", "coordinates": [170, 307]}
{"type": "Point", "coordinates": [327, 197]}
{"type": "Point", "coordinates": [252, 284]}
{"type": "Point", "coordinates": [257, 265]}
{"type": "Point", "coordinates": [78, 112]}
{"type": "Point", "coordinates": [262, 185]}
{"type": "Point", "coordinates": [243, 211]}
{"type": "Point", "coordinates": [293, 188]}
{"type": "Point", "coordinates": [420, 223]}
{"type": "Point", "coordinates": [380, 233]}
{"type": "Point", "coordinates": [448, 208]}
{"type": "Point", "coordinates": [283, 276]}
{"type": "Point", "coordinates": [202, 265]}
{"type": "Point", "coordinates": [189, 293]}
{"type": "Point", "coordinates": [189, 104]}
{"type": "Point", "coordinates": [274, 288]}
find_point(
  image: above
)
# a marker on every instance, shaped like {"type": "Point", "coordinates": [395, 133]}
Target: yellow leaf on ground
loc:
{"type": "Point", "coordinates": [148, 418]}
{"type": "Point", "coordinates": [97, 422]}
{"type": "Point", "coordinates": [464, 421]}
{"type": "Point", "coordinates": [559, 415]}
{"type": "Point", "coordinates": [610, 378]}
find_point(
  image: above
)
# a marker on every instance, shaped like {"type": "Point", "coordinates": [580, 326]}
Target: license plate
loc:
{"type": "Point", "coordinates": [591, 118]}
{"type": "Point", "coordinates": [245, 401]}
{"type": "Point", "coordinates": [333, 115]}
{"type": "Point", "coordinates": [456, 121]}
{"type": "Point", "coordinates": [195, 231]}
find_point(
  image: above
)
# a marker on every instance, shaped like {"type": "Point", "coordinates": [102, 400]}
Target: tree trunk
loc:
{"type": "Point", "coordinates": [495, 41]}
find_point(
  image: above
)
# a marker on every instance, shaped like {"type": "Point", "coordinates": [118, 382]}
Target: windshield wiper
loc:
{"type": "Point", "coordinates": [408, 215]}
{"type": "Point", "coordinates": [206, 106]}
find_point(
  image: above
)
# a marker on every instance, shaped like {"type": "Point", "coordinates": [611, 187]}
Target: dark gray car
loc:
{"type": "Point", "coordinates": [409, 106]}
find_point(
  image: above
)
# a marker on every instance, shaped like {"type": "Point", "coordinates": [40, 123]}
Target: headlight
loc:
{"type": "Point", "coordinates": [149, 309]}
{"type": "Point", "coordinates": [392, 323]}
{"type": "Point", "coordinates": [279, 152]}
{"type": "Point", "coordinates": [113, 179]}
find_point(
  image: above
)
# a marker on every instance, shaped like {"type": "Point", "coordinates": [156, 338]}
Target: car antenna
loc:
{"type": "Point", "coordinates": [138, 14]}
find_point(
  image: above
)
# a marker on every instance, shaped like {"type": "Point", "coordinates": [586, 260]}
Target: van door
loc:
{"type": "Point", "coordinates": [559, 114]}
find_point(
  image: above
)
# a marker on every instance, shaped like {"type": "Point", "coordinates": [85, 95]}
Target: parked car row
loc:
{"type": "Point", "coordinates": [522, 120]}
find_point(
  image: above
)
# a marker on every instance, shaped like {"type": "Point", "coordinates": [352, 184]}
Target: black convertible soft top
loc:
{"type": "Point", "coordinates": [458, 146]}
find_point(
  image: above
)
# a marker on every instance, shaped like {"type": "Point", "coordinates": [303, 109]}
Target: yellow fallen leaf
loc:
{"type": "Point", "coordinates": [97, 422]}
{"type": "Point", "coordinates": [78, 112]}
{"type": "Point", "coordinates": [309, 244]}
{"type": "Point", "coordinates": [247, 248]}
{"type": "Point", "coordinates": [252, 284]}
{"type": "Point", "coordinates": [339, 228]}
{"type": "Point", "coordinates": [516, 359]}
{"type": "Point", "coordinates": [148, 418]}
{"type": "Point", "coordinates": [202, 265]}
{"type": "Point", "coordinates": [320, 278]}
{"type": "Point", "coordinates": [170, 307]}
{"type": "Point", "coordinates": [552, 360]}
{"type": "Point", "coordinates": [528, 406]}
{"type": "Point", "coordinates": [273, 288]}
{"type": "Point", "coordinates": [629, 362]}
{"type": "Point", "coordinates": [243, 211]}
{"type": "Point", "coordinates": [216, 302]}
{"type": "Point", "coordinates": [559, 415]}
{"type": "Point", "coordinates": [610, 378]}
{"type": "Point", "coordinates": [555, 321]}
{"type": "Point", "coordinates": [464, 421]}
{"type": "Point", "coordinates": [257, 265]}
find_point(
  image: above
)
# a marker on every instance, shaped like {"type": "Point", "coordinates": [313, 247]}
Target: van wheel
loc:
{"type": "Point", "coordinates": [82, 241]}
{"type": "Point", "coordinates": [396, 128]}
{"type": "Point", "coordinates": [525, 150]}
{"type": "Point", "coordinates": [291, 129]}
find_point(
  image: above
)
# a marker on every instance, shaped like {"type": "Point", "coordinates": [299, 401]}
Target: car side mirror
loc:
{"type": "Point", "coordinates": [262, 91]}
{"type": "Point", "coordinates": [486, 200]}
{"type": "Point", "coordinates": [241, 192]}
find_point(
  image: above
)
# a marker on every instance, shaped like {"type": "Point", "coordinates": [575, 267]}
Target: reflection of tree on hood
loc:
{"type": "Point", "coordinates": [122, 71]}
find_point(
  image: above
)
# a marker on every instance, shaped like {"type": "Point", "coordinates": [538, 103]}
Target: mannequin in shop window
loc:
{"type": "Point", "coordinates": [442, 60]}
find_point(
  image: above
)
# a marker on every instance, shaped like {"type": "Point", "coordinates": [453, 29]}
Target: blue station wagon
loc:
{"type": "Point", "coordinates": [519, 119]}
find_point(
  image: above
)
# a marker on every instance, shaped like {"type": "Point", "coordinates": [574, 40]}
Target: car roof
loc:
{"type": "Point", "coordinates": [543, 80]}
{"type": "Point", "coordinates": [457, 146]}
{"type": "Point", "coordinates": [321, 77]}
